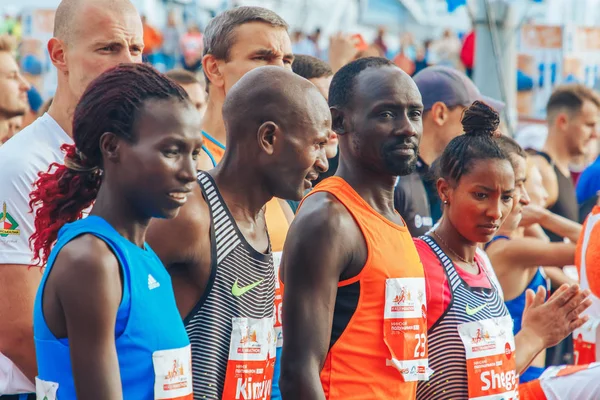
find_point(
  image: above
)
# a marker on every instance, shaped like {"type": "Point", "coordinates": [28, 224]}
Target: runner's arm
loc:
{"type": "Point", "coordinates": [314, 256]}
{"type": "Point", "coordinates": [545, 324]}
{"type": "Point", "coordinates": [89, 291]}
{"type": "Point", "coordinates": [531, 252]}
{"type": "Point", "coordinates": [553, 222]}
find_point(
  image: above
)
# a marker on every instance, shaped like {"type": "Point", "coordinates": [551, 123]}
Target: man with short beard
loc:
{"type": "Point", "coordinates": [13, 88]}
{"type": "Point", "coordinates": [349, 263]}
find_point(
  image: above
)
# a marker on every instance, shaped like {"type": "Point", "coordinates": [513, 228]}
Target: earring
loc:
{"type": "Point", "coordinates": [445, 201]}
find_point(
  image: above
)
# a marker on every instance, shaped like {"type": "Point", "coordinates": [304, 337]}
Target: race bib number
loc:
{"type": "Point", "coordinates": [405, 327]}
{"type": "Point", "coordinates": [173, 374]}
{"type": "Point", "coordinates": [251, 360]}
{"type": "Point", "coordinates": [584, 342]}
{"type": "Point", "coordinates": [45, 390]}
{"type": "Point", "coordinates": [491, 366]}
{"type": "Point", "coordinates": [278, 299]}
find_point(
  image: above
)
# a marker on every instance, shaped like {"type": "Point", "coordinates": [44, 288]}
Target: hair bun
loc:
{"type": "Point", "coordinates": [480, 120]}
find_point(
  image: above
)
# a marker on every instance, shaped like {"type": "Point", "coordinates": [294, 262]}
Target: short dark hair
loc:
{"type": "Point", "coordinates": [342, 84]}
{"type": "Point", "coordinates": [182, 76]}
{"type": "Point", "coordinates": [219, 34]}
{"type": "Point", "coordinates": [570, 98]}
{"type": "Point", "coordinates": [310, 67]}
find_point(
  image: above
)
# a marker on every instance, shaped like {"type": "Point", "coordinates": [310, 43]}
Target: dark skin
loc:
{"type": "Point", "coordinates": [324, 245]}
{"type": "Point", "coordinates": [263, 160]}
{"type": "Point", "coordinates": [83, 293]}
{"type": "Point", "coordinates": [484, 195]}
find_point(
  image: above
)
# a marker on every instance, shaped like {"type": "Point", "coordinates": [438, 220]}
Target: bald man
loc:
{"type": "Point", "coordinates": [90, 36]}
{"type": "Point", "coordinates": [218, 251]}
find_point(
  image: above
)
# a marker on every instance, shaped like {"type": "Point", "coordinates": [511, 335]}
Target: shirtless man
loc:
{"type": "Point", "coordinates": [217, 249]}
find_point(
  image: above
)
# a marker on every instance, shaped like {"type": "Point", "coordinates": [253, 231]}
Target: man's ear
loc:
{"type": "Point", "coordinates": [56, 50]}
{"type": "Point", "coordinates": [439, 113]}
{"type": "Point", "coordinates": [339, 121]}
{"type": "Point", "coordinates": [267, 135]}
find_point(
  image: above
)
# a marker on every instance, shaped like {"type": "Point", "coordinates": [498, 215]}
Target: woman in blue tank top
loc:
{"type": "Point", "coordinates": [517, 257]}
{"type": "Point", "coordinates": [106, 325]}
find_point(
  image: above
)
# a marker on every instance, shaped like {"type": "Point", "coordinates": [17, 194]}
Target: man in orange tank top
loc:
{"type": "Point", "coordinates": [354, 293]}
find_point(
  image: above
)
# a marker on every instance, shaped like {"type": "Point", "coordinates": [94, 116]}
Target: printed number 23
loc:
{"type": "Point", "coordinates": [422, 342]}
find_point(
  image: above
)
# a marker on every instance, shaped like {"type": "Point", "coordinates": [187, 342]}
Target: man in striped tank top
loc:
{"type": "Point", "coordinates": [218, 251]}
{"type": "Point", "coordinates": [354, 293]}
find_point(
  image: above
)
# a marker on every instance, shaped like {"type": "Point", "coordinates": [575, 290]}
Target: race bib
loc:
{"type": "Point", "coordinates": [251, 360]}
{"type": "Point", "coordinates": [584, 342]}
{"type": "Point", "coordinates": [491, 366]}
{"type": "Point", "coordinates": [405, 327]}
{"type": "Point", "coordinates": [278, 299]}
{"type": "Point", "coordinates": [45, 390]}
{"type": "Point", "coordinates": [173, 374]}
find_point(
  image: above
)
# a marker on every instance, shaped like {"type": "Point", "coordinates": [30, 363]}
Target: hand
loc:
{"type": "Point", "coordinates": [341, 51]}
{"type": "Point", "coordinates": [532, 214]}
{"type": "Point", "coordinates": [553, 320]}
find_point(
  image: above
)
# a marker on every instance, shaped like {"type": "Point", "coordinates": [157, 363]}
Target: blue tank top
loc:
{"type": "Point", "coordinates": [147, 319]}
{"type": "Point", "coordinates": [516, 307]}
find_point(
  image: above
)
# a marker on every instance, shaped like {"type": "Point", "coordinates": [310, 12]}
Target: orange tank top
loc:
{"type": "Point", "coordinates": [382, 351]}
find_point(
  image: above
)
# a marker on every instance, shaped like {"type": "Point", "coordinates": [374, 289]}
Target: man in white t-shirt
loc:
{"type": "Point", "coordinates": [90, 36]}
{"type": "Point", "coordinates": [13, 88]}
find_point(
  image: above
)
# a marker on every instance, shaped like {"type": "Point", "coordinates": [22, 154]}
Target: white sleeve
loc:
{"type": "Point", "coordinates": [16, 222]}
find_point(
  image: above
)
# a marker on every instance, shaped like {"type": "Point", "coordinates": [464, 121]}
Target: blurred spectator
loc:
{"type": "Point", "coordinates": [192, 85]}
{"type": "Point", "coordinates": [467, 53]}
{"type": "Point", "coordinates": [171, 49]}
{"type": "Point", "coordinates": [15, 124]}
{"type": "Point", "coordinates": [13, 88]}
{"type": "Point", "coordinates": [447, 50]}
{"type": "Point", "coordinates": [380, 41]}
{"type": "Point", "coordinates": [422, 58]}
{"type": "Point", "coordinates": [152, 38]}
{"type": "Point", "coordinates": [35, 102]}
{"type": "Point", "coordinates": [301, 44]}
{"type": "Point", "coordinates": [405, 59]}
{"type": "Point", "coordinates": [315, 38]}
{"type": "Point", "coordinates": [192, 46]}
{"type": "Point", "coordinates": [342, 50]}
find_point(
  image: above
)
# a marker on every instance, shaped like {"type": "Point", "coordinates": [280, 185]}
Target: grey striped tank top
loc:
{"type": "Point", "coordinates": [447, 354]}
{"type": "Point", "coordinates": [234, 263]}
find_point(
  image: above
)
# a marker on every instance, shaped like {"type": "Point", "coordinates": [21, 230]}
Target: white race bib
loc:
{"type": "Point", "coordinates": [173, 374]}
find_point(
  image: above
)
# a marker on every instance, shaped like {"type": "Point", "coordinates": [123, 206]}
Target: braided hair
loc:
{"type": "Point", "coordinates": [111, 103]}
{"type": "Point", "coordinates": [480, 123]}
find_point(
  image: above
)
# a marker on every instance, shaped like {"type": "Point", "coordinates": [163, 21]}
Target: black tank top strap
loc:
{"type": "Point", "coordinates": [541, 154]}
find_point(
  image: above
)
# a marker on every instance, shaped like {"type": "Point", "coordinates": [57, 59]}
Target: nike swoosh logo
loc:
{"type": "Point", "coordinates": [239, 291]}
{"type": "Point", "coordinates": [473, 311]}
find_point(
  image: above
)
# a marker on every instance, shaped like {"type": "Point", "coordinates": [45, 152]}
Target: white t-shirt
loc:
{"type": "Point", "coordinates": [581, 385]}
{"type": "Point", "coordinates": [21, 159]}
